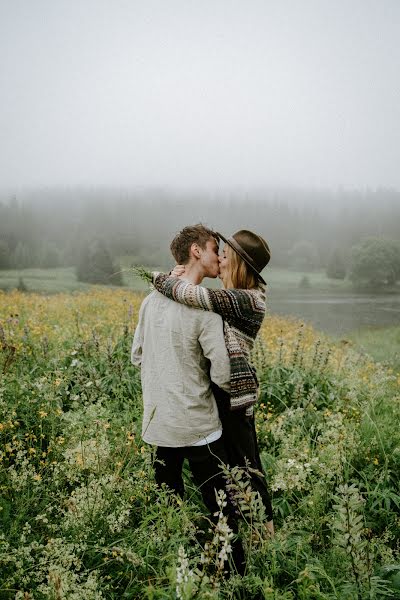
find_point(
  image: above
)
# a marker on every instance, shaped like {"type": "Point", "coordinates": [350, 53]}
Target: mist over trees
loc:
{"type": "Point", "coordinates": [305, 228]}
{"type": "Point", "coordinates": [95, 265]}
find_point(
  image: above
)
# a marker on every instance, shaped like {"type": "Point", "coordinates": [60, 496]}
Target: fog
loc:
{"type": "Point", "coordinates": [141, 223]}
{"type": "Point", "coordinates": [212, 94]}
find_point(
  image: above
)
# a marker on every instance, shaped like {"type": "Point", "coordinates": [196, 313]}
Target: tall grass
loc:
{"type": "Point", "coordinates": [82, 518]}
{"type": "Point", "coordinates": [381, 343]}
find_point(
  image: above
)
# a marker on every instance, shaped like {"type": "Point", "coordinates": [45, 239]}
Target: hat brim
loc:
{"type": "Point", "coordinates": [242, 256]}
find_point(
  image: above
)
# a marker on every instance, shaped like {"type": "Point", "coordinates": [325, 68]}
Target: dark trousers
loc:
{"type": "Point", "coordinates": [204, 464]}
{"type": "Point", "coordinates": [240, 441]}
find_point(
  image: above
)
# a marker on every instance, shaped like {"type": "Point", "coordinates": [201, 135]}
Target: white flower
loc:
{"type": "Point", "coordinates": [183, 573]}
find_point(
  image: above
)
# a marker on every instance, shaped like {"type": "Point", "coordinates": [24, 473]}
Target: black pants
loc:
{"type": "Point", "coordinates": [240, 440]}
{"type": "Point", "coordinates": [204, 464]}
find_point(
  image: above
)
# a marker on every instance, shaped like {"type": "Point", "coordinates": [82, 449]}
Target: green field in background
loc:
{"type": "Point", "coordinates": [382, 344]}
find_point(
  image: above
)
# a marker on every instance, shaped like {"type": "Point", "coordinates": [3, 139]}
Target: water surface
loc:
{"type": "Point", "coordinates": [337, 314]}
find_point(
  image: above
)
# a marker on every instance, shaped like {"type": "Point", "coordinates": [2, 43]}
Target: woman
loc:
{"type": "Point", "coordinates": [242, 307]}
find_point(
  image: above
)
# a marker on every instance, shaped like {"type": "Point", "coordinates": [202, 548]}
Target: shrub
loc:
{"type": "Point", "coordinates": [375, 263]}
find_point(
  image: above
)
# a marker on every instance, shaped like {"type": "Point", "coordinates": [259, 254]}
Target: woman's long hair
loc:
{"type": "Point", "coordinates": [240, 275]}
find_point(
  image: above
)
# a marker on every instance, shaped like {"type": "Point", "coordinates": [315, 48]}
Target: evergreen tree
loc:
{"type": "Point", "coordinates": [304, 256]}
{"type": "Point", "coordinates": [5, 259]}
{"type": "Point", "coordinates": [49, 255]}
{"type": "Point", "coordinates": [336, 268]}
{"type": "Point", "coordinates": [23, 256]}
{"type": "Point", "coordinates": [21, 287]}
{"type": "Point", "coordinates": [96, 266]}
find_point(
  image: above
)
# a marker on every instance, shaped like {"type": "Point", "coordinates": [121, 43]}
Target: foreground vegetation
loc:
{"type": "Point", "coordinates": [81, 517]}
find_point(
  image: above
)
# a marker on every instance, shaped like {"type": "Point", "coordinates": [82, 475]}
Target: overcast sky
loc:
{"type": "Point", "coordinates": [200, 92]}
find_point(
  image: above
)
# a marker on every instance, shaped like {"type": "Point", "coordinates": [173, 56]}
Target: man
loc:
{"type": "Point", "coordinates": [180, 351]}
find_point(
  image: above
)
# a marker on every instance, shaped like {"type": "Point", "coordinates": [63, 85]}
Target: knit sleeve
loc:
{"type": "Point", "coordinates": [243, 309]}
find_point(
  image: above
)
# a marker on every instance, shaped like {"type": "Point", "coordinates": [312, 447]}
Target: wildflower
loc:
{"type": "Point", "coordinates": [42, 414]}
{"type": "Point", "coordinates": [183, 573]}
{"type": "Point", "coordinates": [223, 533]}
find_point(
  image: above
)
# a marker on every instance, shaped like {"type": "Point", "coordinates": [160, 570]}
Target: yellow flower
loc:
{"type": "Point", "coordinates": [42, 414]}
{"type": "Point", "coordinates": [37, 477]}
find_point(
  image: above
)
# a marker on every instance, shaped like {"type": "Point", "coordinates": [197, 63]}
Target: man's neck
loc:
{"type": "Point", "coordinates": [193, 273]}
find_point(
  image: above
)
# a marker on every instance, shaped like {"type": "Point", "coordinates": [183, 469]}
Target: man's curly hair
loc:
{"type": "Point", "coordinates": [192, 234]}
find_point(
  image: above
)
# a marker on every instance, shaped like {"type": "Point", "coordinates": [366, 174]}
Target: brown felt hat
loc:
{"type": "Point", "coordinates": [252, 248]}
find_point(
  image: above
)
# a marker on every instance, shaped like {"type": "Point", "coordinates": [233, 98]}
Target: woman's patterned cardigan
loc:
{"type": "Point", "coordinates": [242, 311]}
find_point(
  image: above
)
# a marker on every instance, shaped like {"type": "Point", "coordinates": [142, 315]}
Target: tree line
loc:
{"type": "Point", "coordinates": [306, 229]}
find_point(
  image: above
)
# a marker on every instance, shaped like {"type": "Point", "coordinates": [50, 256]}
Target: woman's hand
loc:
{"type": "Point", "coordinates": [178, 270]}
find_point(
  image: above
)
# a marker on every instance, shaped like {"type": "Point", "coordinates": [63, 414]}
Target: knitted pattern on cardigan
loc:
{"type": "Point", "coordinates": [242, 312]}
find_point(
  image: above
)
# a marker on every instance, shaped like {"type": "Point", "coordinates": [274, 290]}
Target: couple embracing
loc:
{"type": "Point", "coordinates": [199, 386]}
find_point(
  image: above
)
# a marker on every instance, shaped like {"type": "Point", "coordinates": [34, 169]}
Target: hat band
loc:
{"type": "Point", "coordinates": [242, 252]}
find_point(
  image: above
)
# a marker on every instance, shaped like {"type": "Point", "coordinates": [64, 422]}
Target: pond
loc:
{"type": "Point", "coordinates": [337, 314]}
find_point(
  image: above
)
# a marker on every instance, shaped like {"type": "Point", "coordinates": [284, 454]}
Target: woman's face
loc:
{"type": "Point", "coordinates": [224, 267]}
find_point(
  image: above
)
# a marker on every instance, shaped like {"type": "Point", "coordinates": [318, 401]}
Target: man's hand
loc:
{"type": "Point", "coordinates": [178, 270]}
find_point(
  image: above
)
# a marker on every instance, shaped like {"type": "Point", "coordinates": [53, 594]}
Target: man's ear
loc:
{"type": "Point", "coordinates": [195, 250]}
